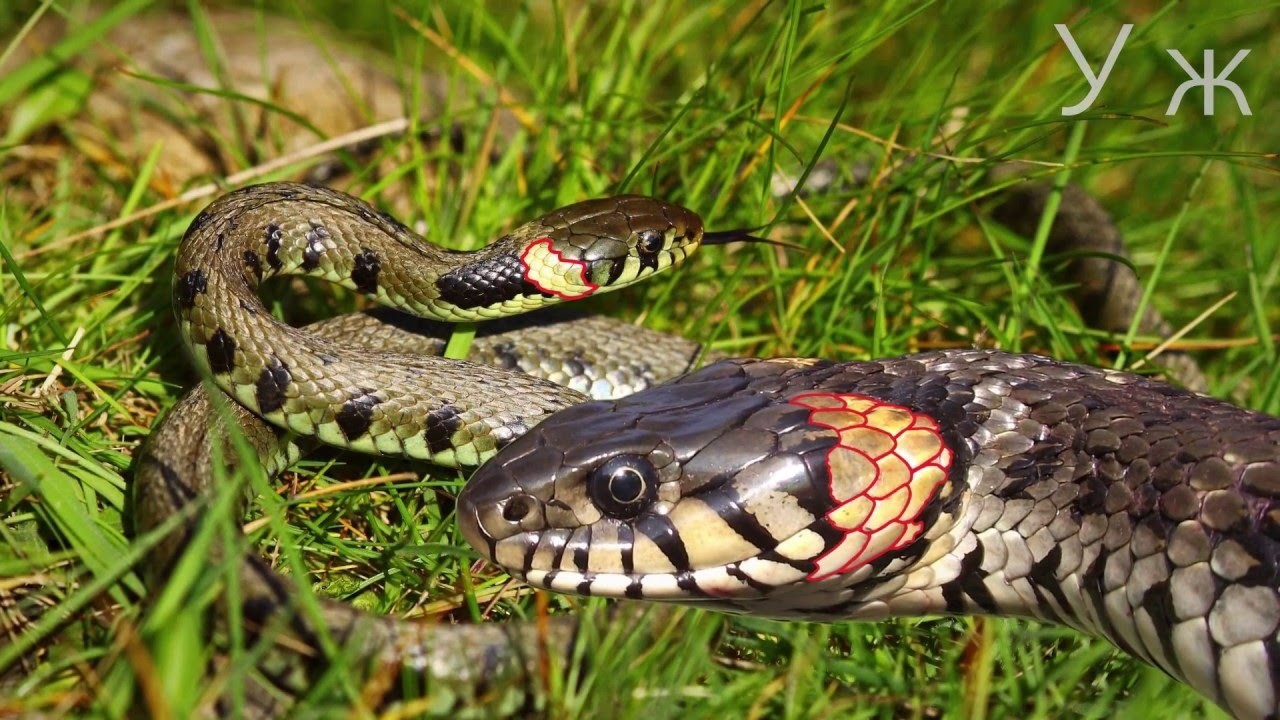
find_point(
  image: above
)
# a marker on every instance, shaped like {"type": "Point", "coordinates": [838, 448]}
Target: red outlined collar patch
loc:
{"type": "Point", "coordinates": [552, 273]}
{"type": "Point", "coordinates": [889, 463]}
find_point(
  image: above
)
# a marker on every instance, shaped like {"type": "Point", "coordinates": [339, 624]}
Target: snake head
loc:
{"type": "Point", "coordinates": [605, 244]}
{"type": "Point", "coordinates": [746, 484]}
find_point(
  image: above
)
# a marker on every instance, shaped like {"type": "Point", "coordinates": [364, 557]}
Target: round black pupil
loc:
{"type": "Point", "coordinates": [651, 242]}
{"type": "Point", "coordinates": [626, 485]}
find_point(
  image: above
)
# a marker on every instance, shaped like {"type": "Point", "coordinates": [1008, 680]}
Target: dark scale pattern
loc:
{"type": "Point", "coordinates": [364, 271]}
{"type": "Point", "coordinates": [356, 415]}
{"type": "Point", "coordinates": [316, 243]}
{"type": "Point", "coordinates": [440, 426]}
{"type": "Point", "coordinates": [201, 220]}
{"type": "Point", "coordinates": [488, 282]}
{"type": "Point", "coordinates": [189, 286]}
{"type": "Point", "coordinates": [222, 352]}
{"type": "Point", "coordinates": [274, 236]}
{"type": "Point", "coordinates": [253, 263]}
{"type": "Point", "coordinates": [272, 383]}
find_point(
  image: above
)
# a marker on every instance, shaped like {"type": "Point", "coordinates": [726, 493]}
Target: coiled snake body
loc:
{"type": "Point", "coordinates": [372, 381]}
{"type": "Point", "coordinates": [952, 482]}
{"type": "Point", "coordinates": [420, 407]}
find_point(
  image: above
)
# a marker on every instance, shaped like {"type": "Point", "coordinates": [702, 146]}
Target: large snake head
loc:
{"type": "Point", "coordinates": [766, 484]}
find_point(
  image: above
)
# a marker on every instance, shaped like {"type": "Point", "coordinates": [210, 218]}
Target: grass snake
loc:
{"type": "Point", "coordinates": [953, 482]}
{"type": "Point", "coordinates": [373, 381]}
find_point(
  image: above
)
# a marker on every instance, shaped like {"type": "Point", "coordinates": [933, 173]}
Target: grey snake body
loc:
{"type": "Point", "coordinates": [952, 482]}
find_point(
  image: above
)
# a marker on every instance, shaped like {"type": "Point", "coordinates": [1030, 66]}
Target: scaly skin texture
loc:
{"type": "Point", "coordinates": [449, 413]}
{"type": "Point", "coordinates": [372, 382]}
{"type": "Point", "coordinates": [953, 482]}
{"type": "Point", "coordinates": [492, 666]}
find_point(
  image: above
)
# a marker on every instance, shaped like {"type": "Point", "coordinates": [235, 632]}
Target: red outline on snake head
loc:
{"type": "Point", "coordinates": [579, 265]}
{"type": "Point", "coordinates": [911, 526]}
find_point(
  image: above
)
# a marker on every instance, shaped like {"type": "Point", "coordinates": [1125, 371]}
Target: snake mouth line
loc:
{"type": "Point", "coordinates": [708, 584]}
{"type": "Point", "coordinates": [742, 579]}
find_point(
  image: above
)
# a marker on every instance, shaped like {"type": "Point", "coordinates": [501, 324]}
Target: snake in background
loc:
{"type": "Point", "coordinates": [950, 482]}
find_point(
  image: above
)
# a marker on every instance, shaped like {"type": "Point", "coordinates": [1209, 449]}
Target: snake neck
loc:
{"type": "Point", "coordinates": [246, 236]}
{"type": "Point", "coordinates": [1116, 505]}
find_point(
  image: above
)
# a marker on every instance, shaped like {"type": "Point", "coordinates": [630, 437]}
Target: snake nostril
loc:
{"type": "Point", "coordinates": [517, 508]}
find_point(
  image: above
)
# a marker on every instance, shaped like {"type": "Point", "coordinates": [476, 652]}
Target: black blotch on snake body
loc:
{"type": "Point", "coordinates": [688, 583]}
{"type": "Point", "coordinates": [506, 356]}
{"type": "Point", "coordinates": [356, 415]}
{"type": "Point", "coordinates": [274, 236]}
{"type": "Point", "coordinates": [1045, 573]}
{"type": "Point", "coordinates": [198, 223]}
{"type": "Point", "coordinates": [364, 273]}
{"type": "Point", "coordinates": [222, 352]}
{"type": "Point", "coordinates": [440, 426]}
{"type": "Point", "coordinates": [179, 490]}
{"type": "Point", "coordinates": [488, 282]}
{"type": "Point", "coordinates": [217, 244]}
{"type": "Point", "coordinates": [253, 263]}
{"type": "Point", "coordinates": [189, 286]}
{"type": "Point", "coordinates": [315, 247]}
{"type": "Point", "coordinates": [971, 581]}
{"type": "Point", "coordinates": [272, 382]}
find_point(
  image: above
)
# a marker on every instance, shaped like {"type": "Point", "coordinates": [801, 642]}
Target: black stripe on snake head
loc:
{"type": "Point", "coordinates": [440, 425]}
{"type": "Point", "coordinates": [615, 270]}
{"type": "Point", "coordinates": [272, 382]}
{"type": "Point", "coordinates": [274, 236]}
{"type": "Point", "coordinates": [189, 286]}
{"type": "Point", "coordinates": [364, 271]}
{"type": "Point", "coordinates": [221, 350]}
{"type": "Point", "coordinates": [356, 415]}
{"type": "Point", "coordinates": [317, 242]}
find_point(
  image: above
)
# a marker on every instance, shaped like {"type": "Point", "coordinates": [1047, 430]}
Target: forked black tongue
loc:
{"type": "Point", "coordinates": [724, 237]}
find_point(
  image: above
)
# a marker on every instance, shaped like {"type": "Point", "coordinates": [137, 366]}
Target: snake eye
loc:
{"type": "Point", "coordinates": [649, 241]}
{"type": "Point", "coordinates": [624, 486]}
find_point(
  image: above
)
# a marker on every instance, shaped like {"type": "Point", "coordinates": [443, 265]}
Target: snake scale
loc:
{"type": "Point", "coordinates": [951, 482]}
